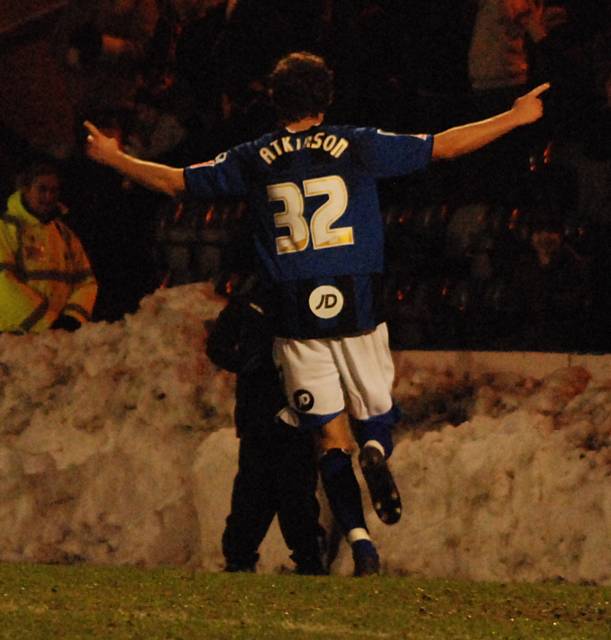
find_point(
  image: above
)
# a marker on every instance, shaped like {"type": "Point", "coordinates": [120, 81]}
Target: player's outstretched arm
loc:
{"type": "Point", "coordinates": [457, 141]}
{"type": "Point", "coordinates": [158, 177]}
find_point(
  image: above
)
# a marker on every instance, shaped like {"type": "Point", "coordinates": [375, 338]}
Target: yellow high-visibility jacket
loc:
{"type": "Point", "coordinates": [44, 272]}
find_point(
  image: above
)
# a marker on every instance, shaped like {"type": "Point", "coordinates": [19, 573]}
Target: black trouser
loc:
{"type": "Point", "coordinates": [276, 475]}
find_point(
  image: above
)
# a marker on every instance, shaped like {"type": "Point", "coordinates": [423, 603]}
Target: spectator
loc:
{"type": "Point", "coordinates": [551, 284]}
{"type": "Point", "coordinates": [45, 276]}
{"type": "Point", "coordinates": [586, 150]}
{"type": "Point", "coordinates": [504, 42]}
{"type": "Point", "coordinates": [499, 63]}
{"type": "Point", "coordinates": [277, 466]}
{"type": "Point", "coordinates": [196, 73]}
{"type": "Point", "coordinates": [109, 49]}
{"type": "Point", "coordinates": [155, 132]}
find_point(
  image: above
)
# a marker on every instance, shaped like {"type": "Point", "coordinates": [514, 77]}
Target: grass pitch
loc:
{"type": "Point", "coordinates": [47, 602]}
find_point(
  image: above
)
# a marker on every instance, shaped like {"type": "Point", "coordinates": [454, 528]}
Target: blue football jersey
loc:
{"type": "Point", "coordinates": [317, 223]}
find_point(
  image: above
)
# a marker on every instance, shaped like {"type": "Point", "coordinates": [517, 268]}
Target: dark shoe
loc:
{"type": "Point", "coordinates": [312, 562]}
{"type": "Point", "coordinates": [311, 568]}
{"type": "Point", "coordinates": [366, 559]}
{"type": "Point", "coordinates": [237, 567]}
{"type": "Point", "coordinates": [382, 488]}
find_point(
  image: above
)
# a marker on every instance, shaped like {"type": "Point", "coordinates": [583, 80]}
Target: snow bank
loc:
{"type": "Point", "coordinates": [519, 491]}
{"type": "Point", "coordinates": [117, 446]}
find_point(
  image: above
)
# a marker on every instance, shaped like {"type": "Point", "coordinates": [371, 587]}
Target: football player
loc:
{"type": "Point", "coordinates": [317, 228]}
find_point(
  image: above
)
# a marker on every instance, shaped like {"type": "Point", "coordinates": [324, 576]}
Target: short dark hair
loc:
{"type": "Point", "coordinates": [35, 169]}
{"type": "Point", "coordinates": [301, 85]}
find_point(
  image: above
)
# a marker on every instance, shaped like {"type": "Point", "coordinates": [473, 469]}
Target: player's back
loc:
{"type": "Point", "coordinates": [319, 226]}
{"type": "Point", "coordinates": [318, 229]}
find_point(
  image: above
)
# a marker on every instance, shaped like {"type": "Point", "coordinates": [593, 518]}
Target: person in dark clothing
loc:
{"type": "Point", "coordinates": [551, 283]}
{"type": "Point", "coordinates": [277, 466]}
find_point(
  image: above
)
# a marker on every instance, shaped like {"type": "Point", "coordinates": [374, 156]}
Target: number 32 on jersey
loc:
{"type": "Point", "coordinates": [320, 228]}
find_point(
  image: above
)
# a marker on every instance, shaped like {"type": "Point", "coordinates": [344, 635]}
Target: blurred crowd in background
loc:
{"type": "Point", "coordinates": [504, 249]}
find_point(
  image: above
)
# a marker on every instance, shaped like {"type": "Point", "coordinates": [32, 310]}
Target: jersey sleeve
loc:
{"type": "Point", "coordinates": [223, 176]}
{"type": "Point", "coordinates": [387, 155]}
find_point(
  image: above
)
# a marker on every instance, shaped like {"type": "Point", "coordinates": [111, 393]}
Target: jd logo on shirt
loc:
{"type": "Point", "coordinates": [303, 399]}
{"type": "Point", "coordinates": [326, 302]}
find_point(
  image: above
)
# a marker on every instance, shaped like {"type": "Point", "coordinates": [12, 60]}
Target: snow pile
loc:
{"type": "Point", "coordinates": [519, 491]}
{"type": "Point", "coordinates": [117, 446]}
{"type": "Point", "coordinates": [100, 430]}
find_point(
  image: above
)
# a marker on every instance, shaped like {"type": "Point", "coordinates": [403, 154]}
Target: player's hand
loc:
{"type": "Point", "coordinates": [529, 107]}
{"type": "Point", "coordinates": [100, 147]}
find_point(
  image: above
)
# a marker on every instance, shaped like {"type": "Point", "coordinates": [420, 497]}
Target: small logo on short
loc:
{"type": "Point", "coordinates": [326, 302]}
{"type": "Point", "coordinates": [303, 399]}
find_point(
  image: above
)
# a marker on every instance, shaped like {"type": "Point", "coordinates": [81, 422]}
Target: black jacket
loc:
{"type": "Point", "coordinates": [241, 342]}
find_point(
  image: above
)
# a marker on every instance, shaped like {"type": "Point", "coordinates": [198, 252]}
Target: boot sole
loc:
{"type": "Point", "coordinates": [384, 493]}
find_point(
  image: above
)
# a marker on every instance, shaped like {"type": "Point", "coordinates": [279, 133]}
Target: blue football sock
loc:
{"type": "Point", "coordinates": [364, 548]}
{"type": "Point", "coordinates": [377, 431]}
{"type": "Point", "coordinates": [342, 489]}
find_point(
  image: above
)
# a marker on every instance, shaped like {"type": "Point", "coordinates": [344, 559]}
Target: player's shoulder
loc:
{"type": "Point", "coordinates": [246, 152]}
{"type": "Point", "coordinates": [369, 132]}
{"type": "Point", "coordinates": [363, 134]}
{"type": "Point", "coordinates": [349, 130]}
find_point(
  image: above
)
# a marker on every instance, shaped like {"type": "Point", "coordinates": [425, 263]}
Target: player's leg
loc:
{"type": "Point", "coordinates": [375, 442]}
{"type": "Point", "coordinates": [367, 371]}
{"type": "Point", "coordinates": [315, 393]}
{"type": "Point", "coordinates": [344, 493]}
{"type": "Point", "coordinates": [253, 507]}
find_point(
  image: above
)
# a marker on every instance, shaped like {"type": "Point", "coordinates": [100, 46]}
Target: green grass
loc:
{"type": "Point", "coordinates": [47, 602]}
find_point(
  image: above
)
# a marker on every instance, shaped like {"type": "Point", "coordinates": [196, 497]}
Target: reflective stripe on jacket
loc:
{"type": "Point", "coordinates": [44, 272]}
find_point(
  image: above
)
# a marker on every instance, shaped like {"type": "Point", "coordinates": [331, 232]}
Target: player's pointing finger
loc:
{"type": "Point", "coordinates": [540, 89]}
{"type": "Point", "coordinates": [93, 130]}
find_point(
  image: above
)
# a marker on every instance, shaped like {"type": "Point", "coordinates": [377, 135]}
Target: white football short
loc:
{"type": "Point", "coordinates": [323, 376]}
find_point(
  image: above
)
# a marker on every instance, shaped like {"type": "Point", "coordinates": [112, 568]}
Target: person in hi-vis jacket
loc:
{"type": "Point", "coordinates": [46, 280]}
